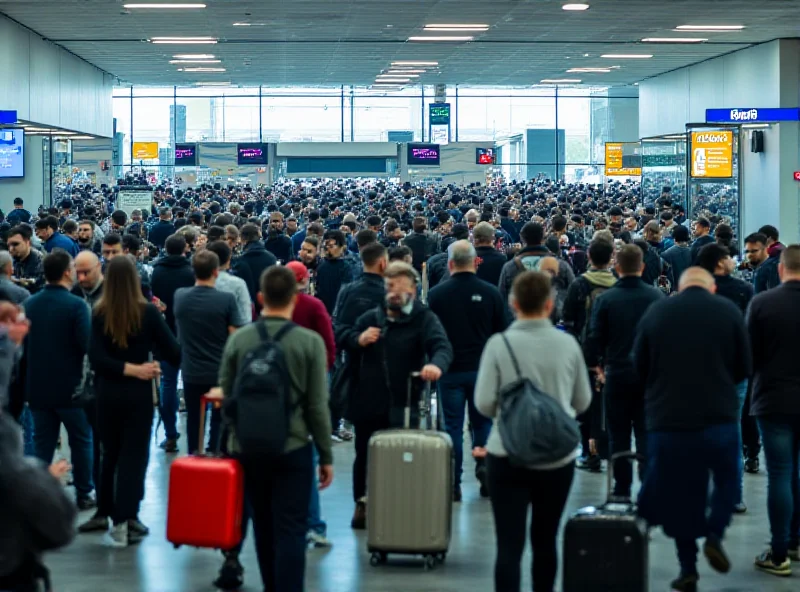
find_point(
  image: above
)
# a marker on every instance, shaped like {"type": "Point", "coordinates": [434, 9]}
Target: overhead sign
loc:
{"type": "Point", "coordinates": [145, 150]}
{"type": "Point", "coordinates": [439, 113]}
{"type": "Point", "coordinates": [712, 154]}
{"type": "Point", "coordinates": [751, 115]}
{"type": "Point", "coordinates": [617, 153]}
{"type": "Point", "coordinates": [8, 117]}
{"type": "Point", "coordinates": [134, 200]}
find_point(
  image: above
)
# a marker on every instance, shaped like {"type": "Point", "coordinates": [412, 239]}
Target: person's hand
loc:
{"type": "Point", "coordinates": [325, 476]}
{"type": "Point", "coordinates": [592, 446]}
{"type": "Point", "coordinates": [13, 319]}
{"type": "Point", "coordinates": [601, 375]}
{"type": "Point", "coordinates": [147, 371]}
{"type": "Point", "coordinates": [59, 468]}
{"type": "Point", "coordinates": [430, 373]}
{"type": "Point", "coordinates": [369, 336]}
{"type": "Point", "coordinates": [215, 396]}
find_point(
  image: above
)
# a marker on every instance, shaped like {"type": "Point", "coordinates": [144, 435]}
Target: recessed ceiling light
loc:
{"type": "Point", "coordinates": [627, 56]}
{"type": "Point", "coordinates": [560, 80]}
{"type": "Point", "coordinates": [195, 61]}
{"type": "Point", "coordinates": [589, 70]}
{"type": "Point", "coordinates": [456, 28]}
{"type": "Point", "coordinates": [249, 24]}
{"type": "Point", "coordinates": [201, 69]}
{"type": "Point", "coordinates": [576, 7]}
{"type": "Point", "coordinates": [403, 75]}
{"type": "Point", "coordinates": [171, 6]}
{"type": "Point", "coordinates": [415, 63]}
{"type": "Point", "coordinates": [443, 38]}
{"type": "Point", "coordinates": [405, 71]}
{"type": "Point", "coordinates": [673, 40]}
{"type": "Point", "coordinates": [183, 40]}
{"type": "Point", "coordinates": [709, 28]}
{"type": "Point", "coordinates": [194, 56]}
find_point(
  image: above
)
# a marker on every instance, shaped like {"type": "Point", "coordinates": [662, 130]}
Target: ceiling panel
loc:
{"type": "Point", "coordinates": [320, 42]}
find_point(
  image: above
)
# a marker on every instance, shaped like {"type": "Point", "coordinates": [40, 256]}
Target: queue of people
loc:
{"type": "Point", "coordinates": [578, 289]}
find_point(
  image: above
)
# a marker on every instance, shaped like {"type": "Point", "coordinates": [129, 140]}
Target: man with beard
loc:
{"type": "Point", "coordinates": [86, 238]}
{"type": "Point", "coordinates": [277, 242]}
{"type": "Point", "coordinates": [333, 272]}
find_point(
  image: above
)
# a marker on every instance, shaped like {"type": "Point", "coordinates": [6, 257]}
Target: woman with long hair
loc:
{"type": "Point", "coordinates": [126, 330]}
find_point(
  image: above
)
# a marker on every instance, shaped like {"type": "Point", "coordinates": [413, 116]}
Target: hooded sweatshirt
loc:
{"type": "Point", "coordinates": [577, 306]}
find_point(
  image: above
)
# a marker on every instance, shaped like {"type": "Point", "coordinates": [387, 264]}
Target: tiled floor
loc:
{"type": "Point", "coordinates": [154, 566]}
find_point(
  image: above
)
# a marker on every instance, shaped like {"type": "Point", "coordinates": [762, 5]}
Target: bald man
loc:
{"type": "Point", "coordinates": [89, 273]}
{"type": "Point", "coordinates": [471, 311]}
{"type": "Point", "coordinates": [692, 417]}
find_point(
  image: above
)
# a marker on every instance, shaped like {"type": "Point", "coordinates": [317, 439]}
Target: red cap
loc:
{"type": "Point", "coordinates": [299, 270]}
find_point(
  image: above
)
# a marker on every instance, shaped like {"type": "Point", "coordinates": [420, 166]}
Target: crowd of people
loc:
{"type": "Point", "coordinates": [643, 324]}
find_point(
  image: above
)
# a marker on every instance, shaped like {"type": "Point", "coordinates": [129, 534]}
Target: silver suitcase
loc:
{"type": "Point", "coordinates": [410, 490]}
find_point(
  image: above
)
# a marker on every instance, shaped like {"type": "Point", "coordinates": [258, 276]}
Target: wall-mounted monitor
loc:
{"type": "Point", "coordinates": [248, 154]}
{"type": "Point", "coordinates": [12, 153]}
{"type": "Point", "coordinates": [485, 156]}
{"type": "Point", "coordinates": [185, 154]}
{"type": "Point", "coordinates": [424, 154]}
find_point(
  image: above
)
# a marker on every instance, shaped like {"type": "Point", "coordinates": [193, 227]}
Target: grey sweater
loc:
{"type": "Point", "coordinates": [550, 358]}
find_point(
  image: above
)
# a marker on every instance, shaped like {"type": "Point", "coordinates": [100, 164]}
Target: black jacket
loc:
{"type": "Point", "coordinates": [405, 346]}
{"type": "Point", "coordinates": [511, 227]}
{"type": "Point", "coordinates": [690, 384]}
{"type": "Point", "coordinates": [437, 270]}
{"type": "Point", "coordinates": [654, 267]}
{"type": "Point", "coordinates": [613, 325]}
{"type": "Point", "coordinates": [576, 307]}
{"type": "Point", "coordinates": [353, 300]}
{"type": "Point", "coordinates": [332, 274]}
{"type": "Point", "coordinates": [699, 243]}
{"type": "Point", "coordinates": [490, 264]}
{"type": "Point", "coordinates": [737, 291]}
{"type": "Point", "coordinates": [251, 264]}
{"type": "Point", "coordinates": [471, 311]}
{"type": "Point", "coordinates": [280, 245]}
{"type": "Point", "coordinates": [423, 246]}
{"type": "Point", "coordinates": [679, 259]}
{"type": "Point", "coordinates": [169, 274]}
{"type": "Point", "coordinates": [160, 232]}
{"type": "Point", "coordinates": [30, 269]}
{"type": "Point", "coordinates": [773, 322]}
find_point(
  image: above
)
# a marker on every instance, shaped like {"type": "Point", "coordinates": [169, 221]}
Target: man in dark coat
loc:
{"type": "Point", "coordinates": [253, 261]}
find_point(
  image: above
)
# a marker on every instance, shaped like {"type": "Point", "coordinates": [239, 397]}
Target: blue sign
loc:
{"type": "Point", "coordinates": [7, 117]}
{"type": "Point", "coordinates": [751, 115]}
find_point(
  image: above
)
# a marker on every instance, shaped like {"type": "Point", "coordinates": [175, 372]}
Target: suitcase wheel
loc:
{"type": "Point", "coordinates": [440, 557]}
{"type": "Point", "coordinates": [377, 559]}
{"type": "Point", "coordinates": [430, 562]}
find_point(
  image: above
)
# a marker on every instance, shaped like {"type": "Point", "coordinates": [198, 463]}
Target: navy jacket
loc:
{"type": "Point", "coordinates": [251, 264]}
{"type": "Point", "coordinates": [18, 216]}
{"type": "Point", "coordinates": [354, 299]}
{"type": "Point", "coordinates": [511, 227]}
{"type": "Point", "coordinates": [490, 264]}
{"type": "Point", "coordinates": [54, 348]}
{"type": "Point", "coordinates": [766, 276]}
{"type": "Point", "coordinates": [332, 274]}
{"type": "Point", "coordinates": [680, 259]}
{"type": "Point", "coordinates": [281, 246]}
{"type": "Point", "coordinates": [169, 274]}
{"type": "Point", "coordinates": [160, 232]}
{"type": "Point", "coordinates": [62, 241]}
{"type": "Point", "coordinates": [699, 244]}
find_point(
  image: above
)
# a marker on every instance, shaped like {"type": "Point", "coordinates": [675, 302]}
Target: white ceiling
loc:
{"type": "Point", "coordinates": [332, 42]}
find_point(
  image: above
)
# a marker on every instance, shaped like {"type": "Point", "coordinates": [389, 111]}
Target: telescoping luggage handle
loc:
{"type": "Point", "coordinates": [612, 461]}
{"type": "Point", "coordinates": [425, 407]}
{"type": "Point", "coordinates": [204, 401]}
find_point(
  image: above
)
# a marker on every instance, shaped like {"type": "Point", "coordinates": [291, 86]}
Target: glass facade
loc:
{"type": "Point", "coordinates": [585, 120]}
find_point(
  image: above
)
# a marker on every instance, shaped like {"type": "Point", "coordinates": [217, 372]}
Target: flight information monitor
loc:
{"type": "Point", "coordinates": [423, 154]}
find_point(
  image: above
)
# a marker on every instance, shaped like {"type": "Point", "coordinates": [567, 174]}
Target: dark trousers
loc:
{"type": "Point", "coordinates": [125, 421]}
{"type": "Point", "coordinates": [624, 404]}
{"type": "Point", "coordinates": [363, 432]}
{"type": "Point", "coordinates": [46, 427]}
{"type": "Point", "coordinates": [279, 491]}
{"type": "Point", "coordinates": [191, 394]}
{"type": "Point", "coordinates": [512, 491]}
{"type": "Point", "coordinates": [97, 452]}
{"type": "Point", "coordinates": [593, 422]}
{"type": "Point", "coordinates": [751, 438]}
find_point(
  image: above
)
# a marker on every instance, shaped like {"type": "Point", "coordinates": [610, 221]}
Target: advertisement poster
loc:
{"type": "Point", "coordinates": [712, 154]}
{"type": "Point", "coordinates": [616, 153]}
{"type": "Point", "coordinates": [145, 150]}
{"type": "Point", "coordinates": [134, 200]}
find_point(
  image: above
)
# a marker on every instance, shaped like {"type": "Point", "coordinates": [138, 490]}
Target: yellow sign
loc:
{"type": "Point", "coordinates": [712, 154]}
{"type": "Point", "coordinates": [145, 150]}
{"type": "Point", "coordinates": [614, 162]}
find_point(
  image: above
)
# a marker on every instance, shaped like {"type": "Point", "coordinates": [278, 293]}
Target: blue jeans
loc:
{"type": "Point", "coordinates": [457, 389]}
{"type": "Point", "coordinates": [781, 438]}
{"type": "Point", "coordinates": [46, 427]}
{"type": "Point", "coordinates": [315, 521]}
{"type": "Point", "coordinates": [26, 421]}
{"type": "Point", "coordinates": [169, 399]}
{"type": "Point", "coordinates": [741, 390]}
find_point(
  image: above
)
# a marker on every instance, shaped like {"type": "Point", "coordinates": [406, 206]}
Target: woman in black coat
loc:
{"type": "Point", "coordinates": [127, 332]}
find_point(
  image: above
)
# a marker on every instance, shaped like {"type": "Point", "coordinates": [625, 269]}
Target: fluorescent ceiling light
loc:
{"type": "Point", "coordinates": [201, 69]}
{"type": "Point", "coordinates": [172, 6]}
{"type": "Point", "coordinates": [415, 63]}
{"type": "Point", "coordinates": [461, 26]}
{"type": "Point", "coordinates": [194, 56]}
{"type": "Point", "coordinates": [456, 28]}
{"type": "Point", "coordinates": [395, 76]}
{"type": "Point", "coordinates": [576, 7]}
{"type": "Point", "coordinates": [589, 70]}
{"type": "Point", "coordinates": [391, 80]}
{"type": "Point", "coordinates": [212, 84]}
{"type": "Point", "coordinates": [709, 28]}
{"type": "Point", "coordinates": [249, 24]}
{"type": "Point", "coordinates": [402, 71]}
{"type": "Point", "coordinates": [627, 56]}
{"type": "Point", "coordinates": [755, 125]}
{"type": "Point", "coordinates": [443, 38]}
{"type": "Point", "coordinates": [673, 40]}
{"type": "Point", "coordinates": [560, 81]}
{"type": "Point", "coordinates": [79, 137]}
{"type": "Point", "coordinates": [184, 40]}
{"type": "Point", "coordinates": [195, 61]}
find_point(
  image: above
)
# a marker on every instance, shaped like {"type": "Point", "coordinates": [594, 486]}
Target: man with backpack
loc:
{"type": "Point", "coordinates": [274, 383]}
{"type": "Point", "coordinates": [576, 315]}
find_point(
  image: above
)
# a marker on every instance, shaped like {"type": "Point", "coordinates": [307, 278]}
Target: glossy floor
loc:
{"type": "Point", "coordinates": [154, 566]}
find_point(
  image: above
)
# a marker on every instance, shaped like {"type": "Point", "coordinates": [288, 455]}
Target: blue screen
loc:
{"type": "Point", "coordinates": [12, 153]}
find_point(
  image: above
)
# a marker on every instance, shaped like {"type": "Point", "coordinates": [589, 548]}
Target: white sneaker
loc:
{"type": "Point", "coordinates": [318, 540]}
{"type": "Point", "coordinates": [117, 536]}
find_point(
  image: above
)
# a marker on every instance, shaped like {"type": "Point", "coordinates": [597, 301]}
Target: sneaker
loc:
{"type": "Point", "coordinates": [336, 439]}
{"type": "Point", "coordinates": [794, 553]}
{"type": "Point", "coordinates": [766, 563]}
{"type": "Point", "coordinates": [318, 540]}
{"type": "Point", "coordinates": [591, 463]}
{"type": "Point", "coordinates": [231, 575]}
{"type": "Point", "coordinates": [136, 526]}
{"type": "Point", "coordinates": [457, 497]}
{"type": "Point", "coordinates": [94, 524]}
{"type": "Point", "coordinates": [751, 465]}
{"type": "Point", "coordinates": [480, 475]}
{"type": "Point", "coordinates": [169, 445]}
{"type": "Point", "coordinates": [740, 508]}
{"type": "Point", "coordinates": [117, 536]}
{"type": "Point", "coordinates": [345, 434]}
{"type": "Point", "coordinates": [715, 553]}
{"type": "Point", "coordinates": [359, 521]}
{"type": "Point", "coordinates": [686, 583]}
{"type": "Point", "coordinates": [86, 502]}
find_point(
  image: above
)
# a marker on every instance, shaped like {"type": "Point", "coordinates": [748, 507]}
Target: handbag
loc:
{"type": "Point", "coordinates": [84, 393]}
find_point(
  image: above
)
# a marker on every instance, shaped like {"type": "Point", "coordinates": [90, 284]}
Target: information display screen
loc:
{"type": "Point", "coordinates": [185, 154]}
{"type": "Point", "coordinates": [251, 154]}
{"type": "Point", "coordinates": [424, 154]}
{"type": "Point", "coordinates": [439, 113]}
{"type": "Point", "coordinates": [12, 153]}
{"type": "Point", "coordinates": [484, 156]}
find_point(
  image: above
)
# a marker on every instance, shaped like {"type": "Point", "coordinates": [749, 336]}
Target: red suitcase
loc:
{"type": "Point", "coordinates": [206, 499]}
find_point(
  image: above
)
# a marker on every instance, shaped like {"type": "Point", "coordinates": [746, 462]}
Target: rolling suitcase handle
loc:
{"type": "Point", "coordinates": [614, 458]}
{"type": "Point", "coordinates": [204, 401]}
{"type": "Point", "coordinates": [425, 405]}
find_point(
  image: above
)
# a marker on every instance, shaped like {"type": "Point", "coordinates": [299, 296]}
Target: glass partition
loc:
{"type": "Point", "coordinates": [664, 169]}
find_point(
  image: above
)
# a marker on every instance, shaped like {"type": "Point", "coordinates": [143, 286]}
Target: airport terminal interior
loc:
{"type": "Point", "coordinates": [606, 102]}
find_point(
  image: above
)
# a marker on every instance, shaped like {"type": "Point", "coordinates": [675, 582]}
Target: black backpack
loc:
{"type": "Point", "coordinates": [260, 407]}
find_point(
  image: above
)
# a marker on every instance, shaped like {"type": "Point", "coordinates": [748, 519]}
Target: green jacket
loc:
{"type": "Point", "coordinates": [305, 356]}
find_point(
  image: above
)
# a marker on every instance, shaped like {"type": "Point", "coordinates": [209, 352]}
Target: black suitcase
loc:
{"type": "Point", "coordinates": [606, 548]}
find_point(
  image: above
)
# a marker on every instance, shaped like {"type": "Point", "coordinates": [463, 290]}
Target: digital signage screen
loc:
{"type": "Point", "coordinates": [251, 154]}
{"type": "Point", "coordinates": [439, 113]}
{"type": "Point", "coordinates": [185, 154]}
{"type": "Point", "coordinates": [12, 153]}
{"type": "Point", "coordinates": [484, 156]}
{"type": "Point", "coordinates": [423, 154]}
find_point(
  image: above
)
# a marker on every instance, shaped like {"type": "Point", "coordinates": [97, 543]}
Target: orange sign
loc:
{"type": "Point", "coordinates": [614, 162]}
{"type": "Point", "coordinates": [145, 150]}
{"type": "Point", "coordinates": [712, 154]}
